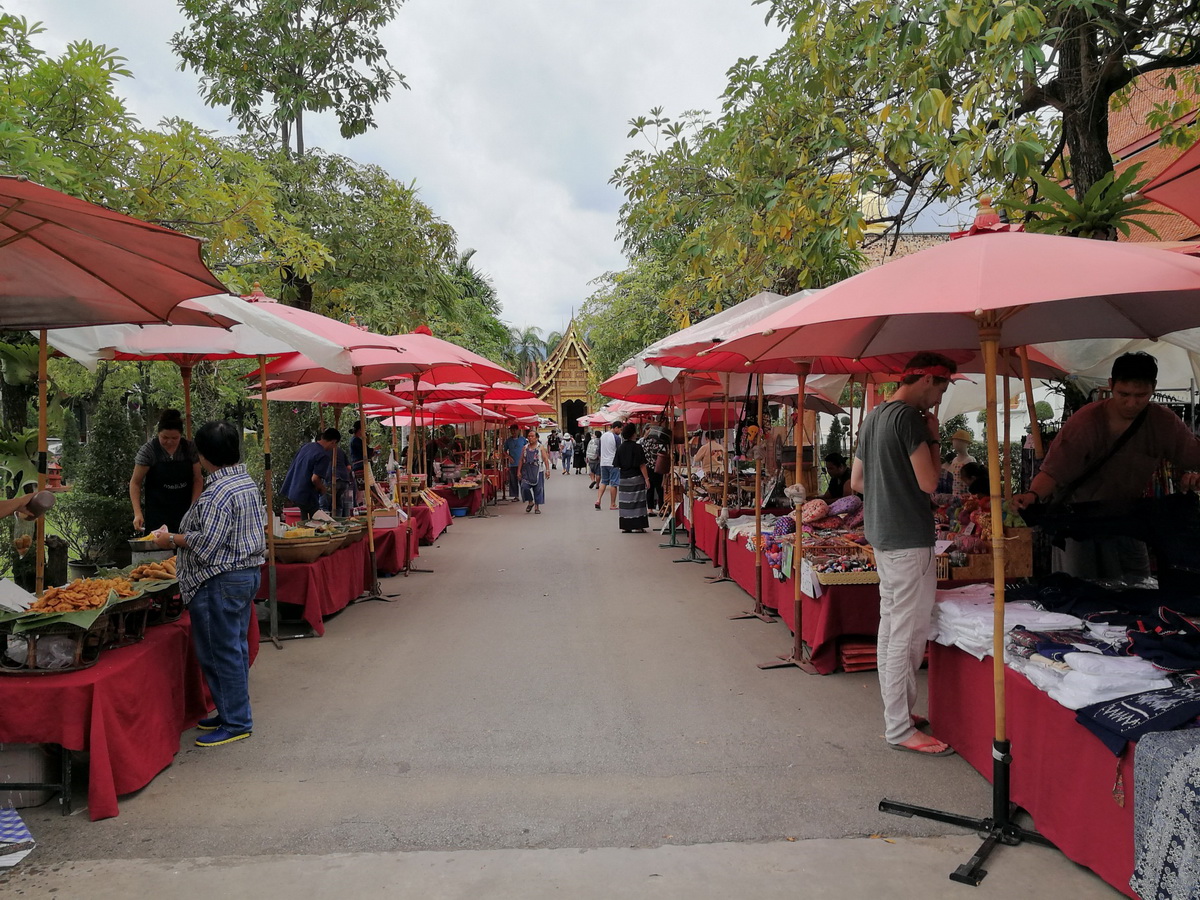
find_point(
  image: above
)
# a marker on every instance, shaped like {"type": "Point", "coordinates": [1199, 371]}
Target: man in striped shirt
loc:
{"type": "Point", "coordinates": [220, 549]}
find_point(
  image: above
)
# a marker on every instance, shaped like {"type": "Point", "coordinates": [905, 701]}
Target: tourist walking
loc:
{"type": "Point", "coordinates": [580, 460]}
{"type": "Point", "coordinates": [514, 444]}
{"type": "Point", "coordinates": [630, 462]}
{"type": "Point", "coordinates": [593, 461]}
{"type": "Point", "coordinates": [554, 446]}
{"type": "Point", "coordinates": [531, 471]}
{"type": "Point", "coordinates": [567, 453]}
{"type": "Point", "coordinates": [610, 476]}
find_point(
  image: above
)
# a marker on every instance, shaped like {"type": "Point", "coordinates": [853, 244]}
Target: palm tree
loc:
{"type": "Point", "coordinates": [553, 339]}
{"type": "Point", "coordinates": [473, 284]}
{"type": "Point", "coordinates": [528, 349]}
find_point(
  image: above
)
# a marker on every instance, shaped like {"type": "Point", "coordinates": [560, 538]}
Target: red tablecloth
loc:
{"type": "Point", "coordinates": [322, 587]}
{"type": "Point", "coordinates": [127, 711]}
{"type": "Point", "coordinates": [471, 499]}
{"type": "Point", "coordinates": [394, 548]}
{"type": "Point", "coordinates": [842, 609]}
{"type": "Point", "coordinates": [429, 522]}
{"type": "Point", "coordinates": [708, 534]}
{"type": "Point", "coordinates": [1061, 774]}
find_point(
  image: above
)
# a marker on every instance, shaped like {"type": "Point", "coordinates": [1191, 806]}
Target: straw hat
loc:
{"type": "Point", "coordinates": [962, 435]}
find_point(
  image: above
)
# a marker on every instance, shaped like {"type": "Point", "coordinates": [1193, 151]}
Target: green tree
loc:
{"type": "Point", "coordinates": [963, 96]}
{"type": "Point", "coordinates": [270, 61]}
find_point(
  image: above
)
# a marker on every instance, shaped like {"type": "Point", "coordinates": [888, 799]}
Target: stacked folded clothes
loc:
{"type": "Point", "coordinates": [963, 617]}
{"type": "Point", "coordinates": [743, 526]}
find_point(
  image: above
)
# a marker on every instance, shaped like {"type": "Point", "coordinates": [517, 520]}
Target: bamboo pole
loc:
{"type": "Point", "coordinates": [185, 372]}
{"type": "Point", "coordinates": [803, 367]}
{"type": "Point", "coordinates": [758, 505]}
{"type": "Point", "coordinates": [412, 423]}
{"type": "Point", "coordinates": [1008, 491]}
{"type": "Point", "coordinates": [39, 578]}
{"type": "Point", "coordinates": [269, 499]}
{"type": "Point", "coordinates": [1035, 427]}
{"type": "Point", "coordinates": [367, 481]}
{"type": "Point", "coordinates": [989, 337]}
{"type": "Point", "coordinates": [725, 483]}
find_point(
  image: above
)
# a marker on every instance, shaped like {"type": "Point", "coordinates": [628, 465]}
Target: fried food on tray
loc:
{"type": "Point", "coordinates": [163, 570]}
{"type": "Point", "coordinates": [82, 594]}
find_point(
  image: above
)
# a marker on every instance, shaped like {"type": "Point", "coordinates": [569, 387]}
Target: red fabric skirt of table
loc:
{"type": "Point", "coordinates": [430, 522]}
{"type": "Point", "coordinates": [127, 711]}
{"type": "Point", "coordinates": [395, 548]}
{"type": "Point", "coordinates": [1061, 774]}
{"type": "Point", "coordinates": [323, 587]}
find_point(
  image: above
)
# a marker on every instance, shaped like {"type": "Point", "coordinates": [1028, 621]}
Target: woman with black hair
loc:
{"type": "Point", "coordinates": [169, 470]}
{"type": "Point", "coordinates": [630, 458]}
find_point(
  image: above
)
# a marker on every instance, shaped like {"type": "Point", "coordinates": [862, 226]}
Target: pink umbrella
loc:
{"type": "Point", "coordinates": [1177, 187]}
{"type": "Point", "coordinates": [334, 394]}
{"type": "Point", "coordinates": [998, 290]}
{"type": "Point", "coordinates": [66, 262]}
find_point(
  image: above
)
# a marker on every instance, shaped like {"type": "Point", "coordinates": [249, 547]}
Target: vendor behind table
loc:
{"type": "Point", "coordinates": [166, 474]}
{"type": "Point", "coordinates": [1109, 450]}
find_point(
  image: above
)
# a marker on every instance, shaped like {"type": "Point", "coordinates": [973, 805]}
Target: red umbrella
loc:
{"type": "Point", "coordinates": [998, 290]}
{"type": "Point", "coordinates": [67, 262]}
{"type": "Point", "coordinates": [1177, 187]}
{"type": "Point", "coordinates": [334, 394]}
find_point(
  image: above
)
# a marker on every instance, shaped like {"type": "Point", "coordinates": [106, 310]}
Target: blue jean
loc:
{"type": "Point", "coordinates": [535, 493]}
{"type": "Point", "coordinates": [514, 486]}
{"type": "Point", "coordinates": [220, 611]}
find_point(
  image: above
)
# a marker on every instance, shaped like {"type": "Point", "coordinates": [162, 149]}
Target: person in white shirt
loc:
{"type": "Point", "coordinates": [610, 475]}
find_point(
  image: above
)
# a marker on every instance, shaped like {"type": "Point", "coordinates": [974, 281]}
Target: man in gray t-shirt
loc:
{"type": "Point", "coordinates": [896, 468]}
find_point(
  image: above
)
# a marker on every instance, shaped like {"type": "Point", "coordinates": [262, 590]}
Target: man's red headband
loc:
{"type": "Point", "coordinates": [935, 371]}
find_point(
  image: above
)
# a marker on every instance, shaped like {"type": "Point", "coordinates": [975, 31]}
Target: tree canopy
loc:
{"type": "Point", "coordinates": [270, 61]}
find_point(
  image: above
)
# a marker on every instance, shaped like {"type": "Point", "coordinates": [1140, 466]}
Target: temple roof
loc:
{"type": "Point", "coordinates": [571, 346]}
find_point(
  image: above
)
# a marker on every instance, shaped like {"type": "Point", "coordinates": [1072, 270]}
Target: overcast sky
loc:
{"type": "Point", "coordinates": [517, 116]}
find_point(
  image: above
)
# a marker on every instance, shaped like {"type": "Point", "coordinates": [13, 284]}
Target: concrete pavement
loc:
{"type": "Point", "coordinates": [557, 708]}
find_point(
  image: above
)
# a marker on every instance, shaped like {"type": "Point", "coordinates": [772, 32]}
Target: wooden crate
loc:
{"type": "Point", "coordinates": [1018, 558]}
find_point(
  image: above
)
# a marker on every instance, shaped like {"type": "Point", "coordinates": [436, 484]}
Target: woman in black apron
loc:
{"type": "Point", "coordinates": [166, 471]}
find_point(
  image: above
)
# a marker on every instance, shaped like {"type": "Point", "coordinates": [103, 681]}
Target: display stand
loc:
{"type": "Point", "coordinates": [693, 554]}
{"type": "Point", "coordinates": [799, 655]}
{"type": "Point", "coordinates": [759, 612]}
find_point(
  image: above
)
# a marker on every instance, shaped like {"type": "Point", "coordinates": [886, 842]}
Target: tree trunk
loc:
{"type": "Point", "coordinates": [297, 289]}
{"type": "Point", "coordinates": [300, 134]}
{"type": "Point", "coordinates": [15, 401]}
{"type": "Point", "coordinates": [1085, 107]}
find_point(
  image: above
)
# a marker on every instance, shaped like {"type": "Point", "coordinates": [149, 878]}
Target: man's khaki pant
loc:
{"type": "Point", "coordinates": [907, 587]}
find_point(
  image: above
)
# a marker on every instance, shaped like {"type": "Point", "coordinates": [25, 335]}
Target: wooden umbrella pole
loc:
{"type": "Point", "coordinates": [689, 493]}
{"type": "Point", "coordinates": [1008, 491]}
{"type": "Point", "coordinates": [670, 492]}
{"type": "Point", "coordinates": [725, 483]}
{"type": "Point", "coordinates": [396, 457]}
{"type": "Point", "coordinates": [1035, 427]}
{"type": "Point", "coordinates": [39, 563]}
{"type": "Point", "coordinates": [802, 370]}
{"type": "Point", "coordinates": [185, 372]}
{"type": "Point", "coordinates": [989, 336]}
{"type": "Point", "coordinates": [269, 499]}
{"type": "Point", "coordinates": [482, 475]}
{"type": "Point", "coordinates": [412, 423]}
{"type": "Point", "coordinates": [803, 367]}
{"type": "Point", "coordinates": [367, 482]}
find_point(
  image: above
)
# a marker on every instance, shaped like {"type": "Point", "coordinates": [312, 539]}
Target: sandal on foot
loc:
{"type": "Point", "coordinates": [597, 506]}
{"type": "Point", "coordinates": [919, 721]}
{"type": "Point", "coordinates": [945, 751]}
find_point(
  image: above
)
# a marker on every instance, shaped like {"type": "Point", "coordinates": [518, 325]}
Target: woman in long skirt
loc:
{"type": "Point", "coordinates": [631, 494]}
{"type": "Point", "coordinates": [531, 472]}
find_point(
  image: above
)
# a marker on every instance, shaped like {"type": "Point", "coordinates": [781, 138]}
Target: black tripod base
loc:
{"type": "Point", "coordinates": [994, 833]}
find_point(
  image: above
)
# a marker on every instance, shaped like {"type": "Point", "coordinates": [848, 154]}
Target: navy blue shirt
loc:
{"type": "Point", "coordinates": [312, 459]}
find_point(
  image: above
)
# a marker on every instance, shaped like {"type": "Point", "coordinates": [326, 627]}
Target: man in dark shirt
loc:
{"type": "Point", "coordinates": [1086, 438]}
{"type": "Point", "coordinates": [896, 468]}
{"type": "Point", "coordinates": [308, 474]}
{"type": "Point", "coordinates": [839, 478]}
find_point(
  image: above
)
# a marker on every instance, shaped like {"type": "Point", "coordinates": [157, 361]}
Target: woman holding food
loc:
{"type": "Point", "coordinates": [167, 471]}
{"type": "Point", "coordinates": [220, 548]}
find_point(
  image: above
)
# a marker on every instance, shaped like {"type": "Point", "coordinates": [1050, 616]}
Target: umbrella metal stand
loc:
{"type": "Point", "coordinates": [1001, 827]}
{"type": "Point", "coordinates": [723, 534]}
{"type": "Point", "coordinates": [799, 655]}
{"type": "Point", "coordinates": [693, 556]}
{"type": "Point", "coordinates": [759, 611]}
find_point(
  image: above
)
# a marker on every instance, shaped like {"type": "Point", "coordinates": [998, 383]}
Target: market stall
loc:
{"type": "Point", "coordinates": [127, 711]}
{"type": "Point", "coordinates": [1079, 795]}
{"type": "Point", "coordinates": [325, 586]}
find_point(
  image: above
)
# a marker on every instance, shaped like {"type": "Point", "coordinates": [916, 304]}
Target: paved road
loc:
{"type": "Point", "coordinates": [557, 686]}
